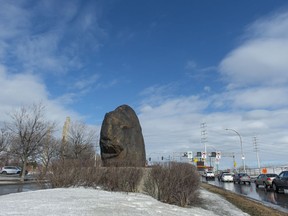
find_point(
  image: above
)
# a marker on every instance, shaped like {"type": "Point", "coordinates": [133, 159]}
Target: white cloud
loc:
{"type": "Point", "coordinates": [191, 65]}
{"type": "Point", "coordinates": [14, 20]}
{"type": "Point", "coordinates": [252, 98]}
{"type": "Point", "coordinates": [47, 36]}
{"type": "Point", "coordinates": [257, 62]}
{"type": "Point", "coordinates": [175, 126]}
{"type": "Point", "coordinates": [25, 89]}
{"type": "Point", "coordinates": [269, 98]}
{"type": "Point", "coordinates": [262, 58]}
{"type": "Point", "coordinates": [86, 82]}
{"type": "Point", "coordinates": [271, 26]}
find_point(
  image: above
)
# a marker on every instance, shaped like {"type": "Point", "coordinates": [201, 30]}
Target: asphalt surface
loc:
{"type": "Point", "coordinates": [12, 184]}
{"type": "Point", "coordinates": [16, 188]}
{"type": "Point", "coordinates": [266, 196]}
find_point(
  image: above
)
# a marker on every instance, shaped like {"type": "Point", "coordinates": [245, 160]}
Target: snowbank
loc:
{"type": "Point", "coordinates": [81, 201]}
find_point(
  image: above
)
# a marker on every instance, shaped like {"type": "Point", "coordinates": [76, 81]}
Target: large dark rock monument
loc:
{"type": "Point", "coordinates": [121, 139]}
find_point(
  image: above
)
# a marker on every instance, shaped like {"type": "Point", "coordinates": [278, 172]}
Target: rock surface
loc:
{"type": "Point", "coordinates": [121, 139]}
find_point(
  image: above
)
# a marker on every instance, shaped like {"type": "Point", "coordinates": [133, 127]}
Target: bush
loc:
{"type": "Point", "coordinates": [66, 173]}
{"type": "Point", "coordinates": [125, 179]}
{"type": "Point", "coordinates": [173, 183]}
{"type": "Point", "coordinates": [72, 173]}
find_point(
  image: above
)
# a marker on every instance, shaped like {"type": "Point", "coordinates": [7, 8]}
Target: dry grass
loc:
{"type": "Point", "coordinates": [246, 205]}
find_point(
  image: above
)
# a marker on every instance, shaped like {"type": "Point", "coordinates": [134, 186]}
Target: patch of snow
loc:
{"type": "Point", "coordinates": [87, 201]}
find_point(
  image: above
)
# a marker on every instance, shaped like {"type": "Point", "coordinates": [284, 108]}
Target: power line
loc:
{"type": "Point", "coordinates": [204, 136]}
{"type": "Point", "coordinates": [256, 150]}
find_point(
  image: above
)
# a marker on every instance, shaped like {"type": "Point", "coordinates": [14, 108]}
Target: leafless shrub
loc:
{"type": "Point", "coordinates": [125, 179]}
{"type": "Point", "coordinates": [69, 173]}
{"type": "Point", "coordinates": [175, 183]}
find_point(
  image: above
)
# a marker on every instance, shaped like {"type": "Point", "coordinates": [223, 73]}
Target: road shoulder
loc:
{"type": "Point", "coordinates": [245, 204]}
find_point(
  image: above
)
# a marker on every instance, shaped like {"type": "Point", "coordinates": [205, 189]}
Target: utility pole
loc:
{"type": "Point", "coordinates": [257, 150]}
{"type": "Point", "coordinates": [204, 136]}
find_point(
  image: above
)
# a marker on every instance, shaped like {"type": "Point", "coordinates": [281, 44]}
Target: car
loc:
{"type": "Point", "coordinates": [265, 180]}
{"type": "Point", "coordinates": [209, 175]}
{"type": "Point", "coordinates": [226, 177]}
{"type": "Point", "coordinates": [242, 178]}
{"type": "Point", "coordinates": [220, 175]}
{"type": "Point", "coordinates": [280, 182]}
{"type": "Point", "coordinates": [10, 170]}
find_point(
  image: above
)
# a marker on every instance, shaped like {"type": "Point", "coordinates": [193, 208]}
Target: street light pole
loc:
{"type": "Point", "coordinates": [242, 155]}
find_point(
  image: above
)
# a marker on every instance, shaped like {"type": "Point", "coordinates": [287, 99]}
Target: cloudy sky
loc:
{"type": "Point", "coordinates": [190, 69]}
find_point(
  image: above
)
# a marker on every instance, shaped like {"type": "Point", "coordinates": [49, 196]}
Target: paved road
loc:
{"type": "Point", "coordinates": [16, 188]}
{"type": "Point", "coordinates": [267, 196]}
{"type": "Point", "coordinates": [11, 184]}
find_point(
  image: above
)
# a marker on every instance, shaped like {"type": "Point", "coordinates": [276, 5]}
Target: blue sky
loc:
{"type": "Point", "coordinates": [176, 63]}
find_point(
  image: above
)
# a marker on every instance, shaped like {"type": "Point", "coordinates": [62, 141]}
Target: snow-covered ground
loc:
{"type": "Point", "coordinates": [86, 201]}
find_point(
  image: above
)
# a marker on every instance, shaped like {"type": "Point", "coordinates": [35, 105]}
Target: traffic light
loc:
{"type": "Point", "coordinates": [213, 154]}
{"type": "Point", "coordinates": [199, 154]}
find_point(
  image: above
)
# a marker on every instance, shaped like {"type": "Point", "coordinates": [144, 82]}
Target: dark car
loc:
{"type": "Point", "coordinates": [242, 178]}
{"type": "Point", "coordinates": [280, 182]}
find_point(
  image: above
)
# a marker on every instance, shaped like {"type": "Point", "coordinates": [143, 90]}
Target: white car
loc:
{"type": "Point", "coordinates": [227, 177]}
{"type": "Point", "coordinates": [10, 170]}
{"type": "Point", "coordinates": [209, 175]}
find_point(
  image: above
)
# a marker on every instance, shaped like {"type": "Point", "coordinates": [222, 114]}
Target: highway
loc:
{"type": "Point", "coordinates": [266, 196]}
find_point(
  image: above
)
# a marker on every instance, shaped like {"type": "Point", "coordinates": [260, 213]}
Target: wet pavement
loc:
{"type": "Point", "coordinates": [266, 196]}
{"type": "Point", "coordinates": [11, 184]}
{"type": "Point", "coordinates": [16, 188]}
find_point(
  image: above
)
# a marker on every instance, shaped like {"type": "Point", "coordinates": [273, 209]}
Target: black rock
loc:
{"type": "Point", "coordinates": [121, 139]}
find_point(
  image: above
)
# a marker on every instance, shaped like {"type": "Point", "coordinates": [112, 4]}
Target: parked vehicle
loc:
{"type": "Point", "coordinates": [209, 175]}
{"type": "Point", "coordinates": [265, 180]}
{"type": "Point", "coordinates": [10, 170]}
{"type": "Point", "coordinates": [241, 178]}
{"type": "Point", "coordinates": [227, 177]}
{"type": "Point", "coordinates": [280, 182]}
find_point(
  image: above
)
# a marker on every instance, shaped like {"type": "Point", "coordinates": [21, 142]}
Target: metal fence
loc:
{"type": "Point", "coordinates": [273, 169]}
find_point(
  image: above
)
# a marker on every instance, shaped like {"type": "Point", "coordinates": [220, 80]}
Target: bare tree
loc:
{"type": "Point", "coordinates": [4, 140]}
{"type": "Point", "coordinates": [80, 141]}
{"type": "Point", "coordinates": [4, 145]}
{"type": "Point", "coordinates": [28, 128]}
{"type": "Point", "coordinates": [49, 149]}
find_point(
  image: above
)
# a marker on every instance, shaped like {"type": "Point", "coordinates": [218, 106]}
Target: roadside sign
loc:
{"type": "Point", "coordinates": [264, 170]}
{"type": "Point", "coordinates": [218, 155]}
{"type": "Point", "coordinates": [204, 155]}
{"type": "Point", "coordinates": [190, 154]}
